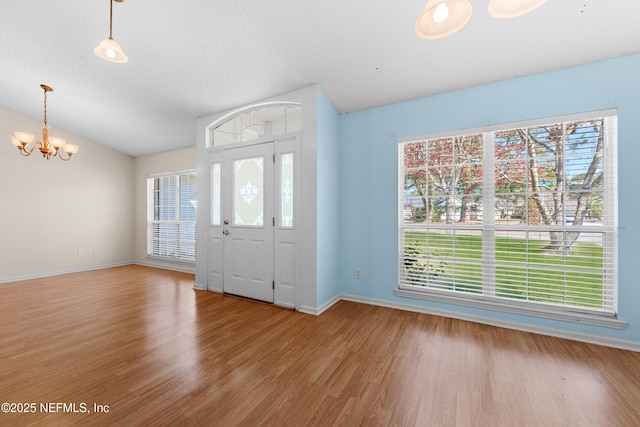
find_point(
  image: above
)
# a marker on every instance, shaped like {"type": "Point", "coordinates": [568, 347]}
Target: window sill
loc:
{"type": "Point", "coordinates": [170, 260]}
{"type": "Point", "coordinates": [547, 312]}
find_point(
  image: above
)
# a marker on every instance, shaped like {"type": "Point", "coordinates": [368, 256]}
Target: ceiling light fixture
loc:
{"type": "Point", "coordinates": [108, 49]}
{"type": "Point", "coordinates": [50, 146]}
{"type": "Point", "coordinates": [441, 18]}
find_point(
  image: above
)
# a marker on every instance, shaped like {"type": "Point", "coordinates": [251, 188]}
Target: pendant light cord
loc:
{"type": "Point", "coordinates": [110, 19]}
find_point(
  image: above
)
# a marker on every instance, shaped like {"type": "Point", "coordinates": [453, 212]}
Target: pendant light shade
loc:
{"type": "Point", "coordinates": [441, 18]}
{"type": "Point", "coordinates": [110, 50]}
{"type": "Point", "coordinates": [504, 9]}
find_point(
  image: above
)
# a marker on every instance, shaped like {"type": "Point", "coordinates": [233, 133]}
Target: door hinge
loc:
{"type": "Point", "coordinates": [273, 285]}
{"type": "Point", "coordinates": [274, 157]}
{"type": "Point", "coordinates": [274, 221]}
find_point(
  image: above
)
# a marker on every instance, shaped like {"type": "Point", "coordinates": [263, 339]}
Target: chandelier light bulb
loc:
{"type": "Point", "coordinates": [441, 13]}
{"type": "Point", "coordinates": [110, 53]}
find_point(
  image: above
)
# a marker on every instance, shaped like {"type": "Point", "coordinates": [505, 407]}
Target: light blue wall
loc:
{"type": "Point", "coordinates": [368, 174]}
{"type": "Point", "coordinates": [328, 202]}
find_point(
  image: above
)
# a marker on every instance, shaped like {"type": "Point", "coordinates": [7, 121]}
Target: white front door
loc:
{"type": "Point", "coordinates": [251, 248]}
{"type": "Point", "coordinates": [247, 221]}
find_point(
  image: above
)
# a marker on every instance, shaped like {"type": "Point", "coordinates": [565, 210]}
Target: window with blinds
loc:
{"type": "Point", "coordinates": [521, 215]}
{"type": "Point", "coordinates": [171, 216]}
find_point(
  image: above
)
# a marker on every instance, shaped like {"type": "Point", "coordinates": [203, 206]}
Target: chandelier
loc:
{"type": "Point", "coordinates": [50, 146]}
{"type": "Point", "coordinates": [441, 18]}
{"type": "Point", "coordinates": [109, 49]}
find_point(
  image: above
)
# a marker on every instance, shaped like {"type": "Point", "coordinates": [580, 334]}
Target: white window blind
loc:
{"type": "Point", "coordinates": [521, 214]}
{"type": "Point", "coordinates": [171, 216]}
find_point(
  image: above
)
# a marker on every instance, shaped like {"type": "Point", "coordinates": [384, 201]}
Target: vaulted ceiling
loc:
{"type": "Point", "coordinates": [192, 58]}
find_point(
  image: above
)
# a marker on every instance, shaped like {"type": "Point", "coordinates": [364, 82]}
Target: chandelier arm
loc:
{"type": "Point", "coordinates": [62, 158]}
{"type": "Point", "coordinates": [23, 150]}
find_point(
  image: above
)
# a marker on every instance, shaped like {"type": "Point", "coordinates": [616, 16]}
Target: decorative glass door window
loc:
{"type": "Point", "coordinates": [248, 200]}
{"type": "Point", "coordinates": [286, 188]}
{"type": "Point", "coordinates": [216, 194]}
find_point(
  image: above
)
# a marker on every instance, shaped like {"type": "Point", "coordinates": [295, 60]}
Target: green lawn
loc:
{"type": "Point", "coordinates": [523, 269]}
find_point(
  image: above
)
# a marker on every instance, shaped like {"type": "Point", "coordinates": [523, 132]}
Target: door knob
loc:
{"type": "Point", "coordinates": [225, 232]}
{"type": "Point", "coordinates": [226, 222]}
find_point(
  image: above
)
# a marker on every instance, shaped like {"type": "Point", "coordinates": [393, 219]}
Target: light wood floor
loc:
{"type": "Point", "coordinates": [143, 342]}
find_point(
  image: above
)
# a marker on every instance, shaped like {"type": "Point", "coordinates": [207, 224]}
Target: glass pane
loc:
{"type": "Point", "coordinates": [453, 179]}
{"type": "Point", "coordinates": [554, 267]}
{"type": "Point", "coordinates": [510, 209]}
{"type": "Point", "coordinates": [258, 123]}
{"type": "Point", "coordinates": [165, 198]}
{"type": "Point", "coordinates": [415, 182]}
{"type": "Point", "coordinates": [188, 197]}
{"type": "Point", "coordinates": [510, 144]}
{"type": "Point", "coordinates": [286, 191]}
{"type": "Point", "coordinates": [216, 194]}
{"type": "Point", "coordinates": [248, 193]}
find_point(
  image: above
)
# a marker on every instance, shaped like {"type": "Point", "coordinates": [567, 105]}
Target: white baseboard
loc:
{"type": "Point", "coordinates": [524, 327]}
{"type": "Point", "coordinates": [60, 272]}
{"type": "Point", "coordinates": [316, 311]}
{"type": "Point", "coordinates": [94, 267]}
{"type": "Point", "coordinates": [308, 310]}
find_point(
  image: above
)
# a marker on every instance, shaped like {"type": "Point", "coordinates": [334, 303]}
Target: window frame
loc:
{"type": "Point", "coordinates": [486, 300]}
{"type": "Point", "coordinates": [177, 222]}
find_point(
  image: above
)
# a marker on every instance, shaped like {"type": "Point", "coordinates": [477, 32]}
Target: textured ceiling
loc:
{"type": "Point", "coordinates": [193, 58]}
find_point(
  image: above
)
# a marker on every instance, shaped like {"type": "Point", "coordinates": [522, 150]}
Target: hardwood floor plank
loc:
{"type": "Point", "coordinates": [143, 342]}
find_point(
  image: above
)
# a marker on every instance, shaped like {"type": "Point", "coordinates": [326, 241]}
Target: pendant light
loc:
{"type": "Point", "coordinates": [109, 49]}
{"type": "Point", "coordinates": [441, 18]}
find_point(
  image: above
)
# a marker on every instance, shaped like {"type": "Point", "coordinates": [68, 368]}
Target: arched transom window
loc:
{"type": "Point", "coordinates": [257, 122]}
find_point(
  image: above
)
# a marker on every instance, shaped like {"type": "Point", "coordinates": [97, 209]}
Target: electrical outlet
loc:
{"type": "Point", "coordinates": [358, 273]}
{"type": "Point", "coordinates": [80, 252]}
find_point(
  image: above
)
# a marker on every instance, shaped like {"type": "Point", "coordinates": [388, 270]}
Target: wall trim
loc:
{"type": "Point", "coordinates": [512, 307]}
{"type": "Point", "coordinates": [524, 327]}
{"type": "Point", "coordinates": [309, 310]}
{"type": "Point", "coordinates": [316, 311]}
{"type": "Point", "coordinates": [93, 267]}
{"type": "Point", "coordinates": [60, 272]}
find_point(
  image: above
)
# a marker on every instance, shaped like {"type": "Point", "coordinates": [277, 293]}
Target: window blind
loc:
{"type": "Point", "coordinates": [524, 213]}
{"type": "Point", "coordinates": [171, 216]}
